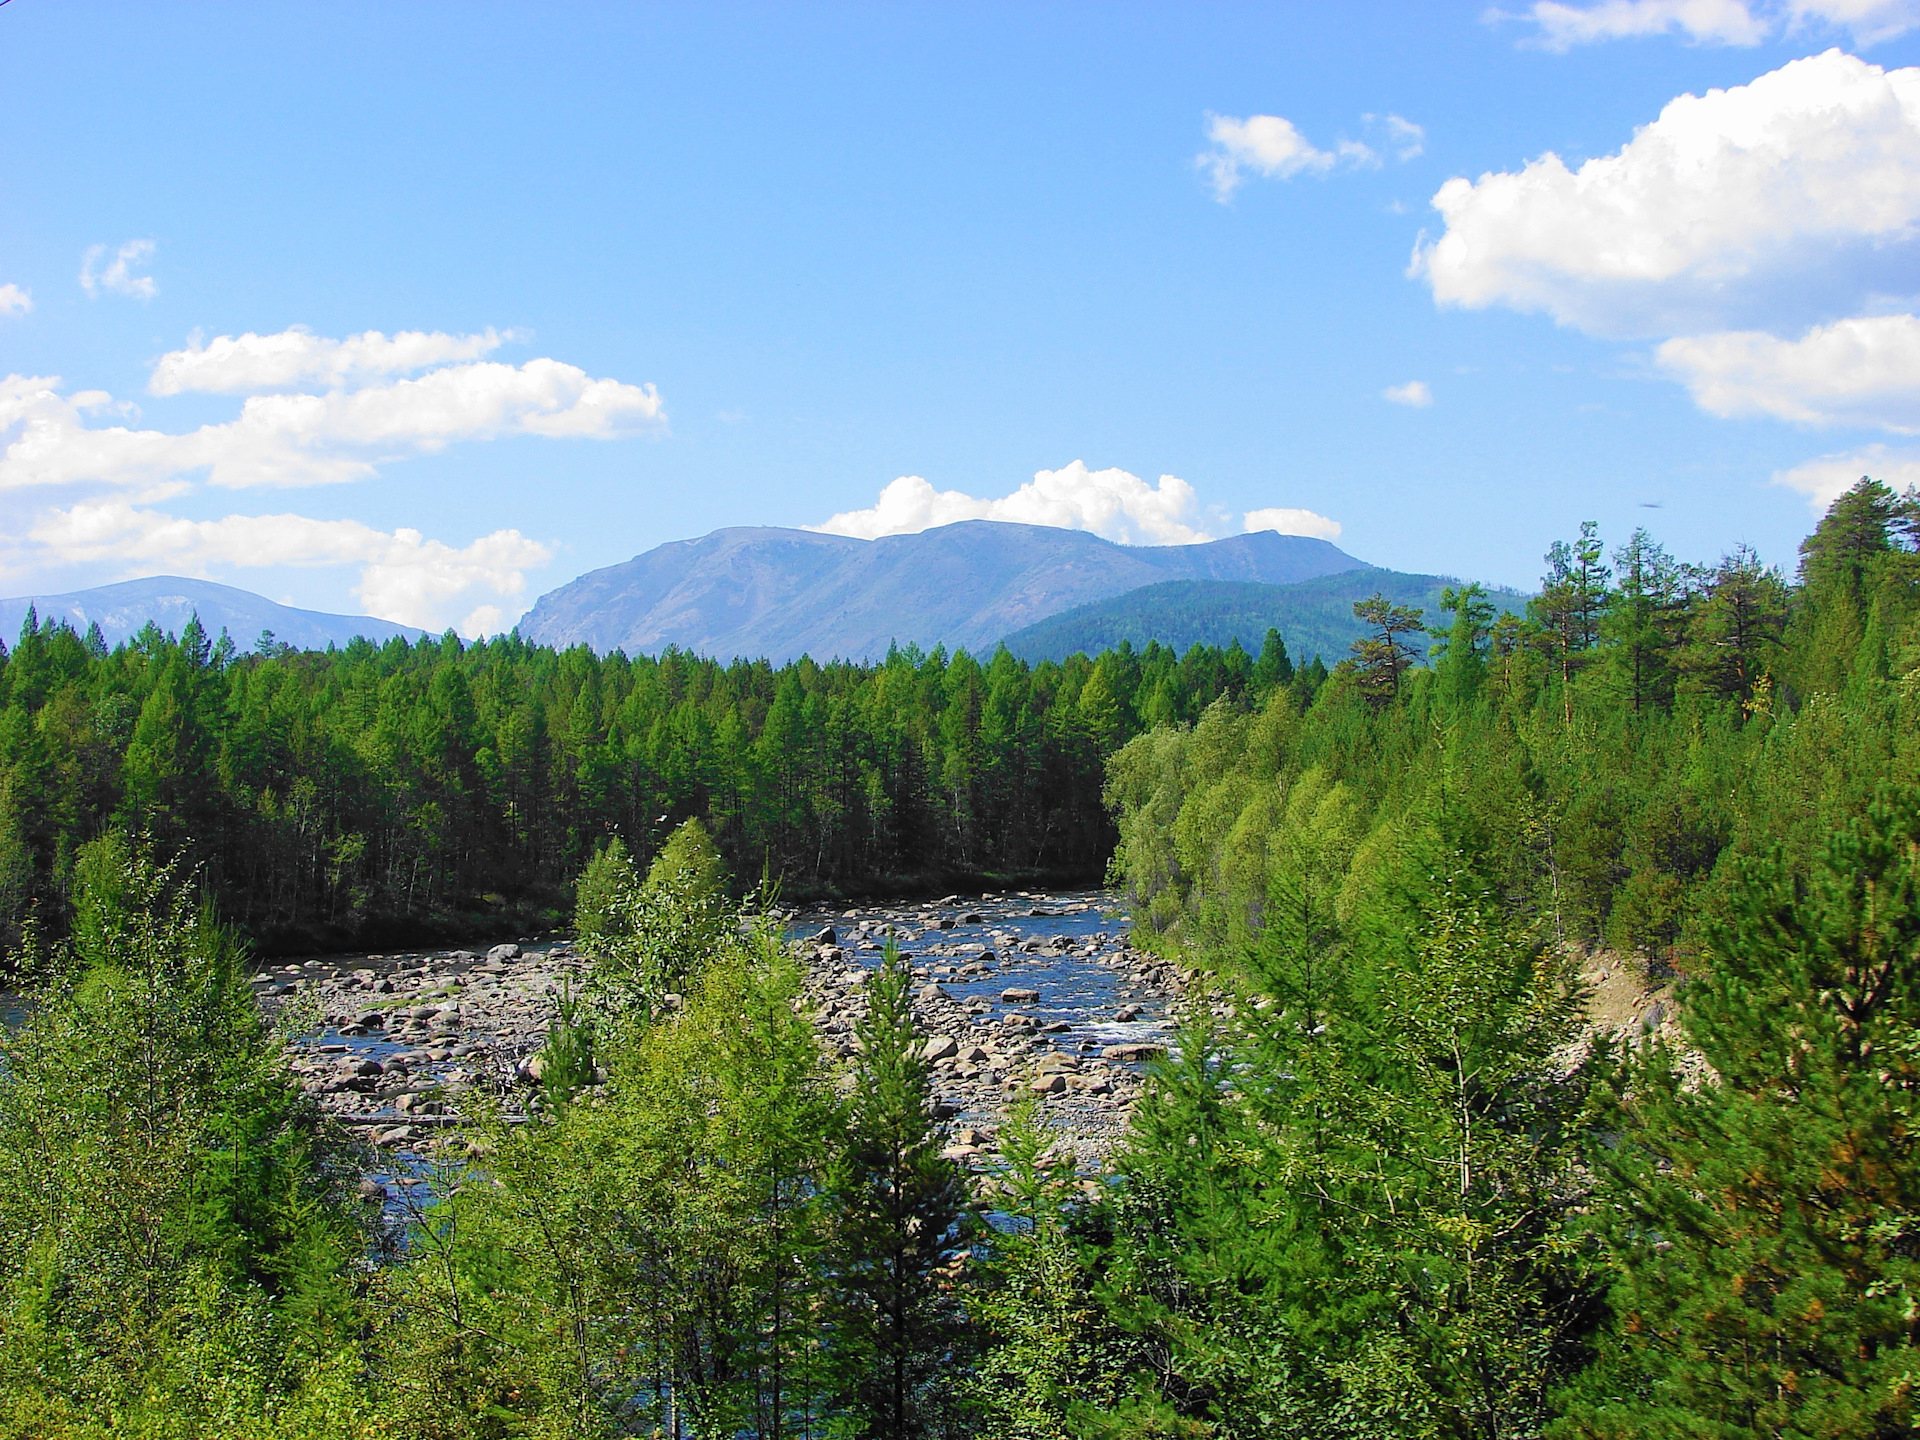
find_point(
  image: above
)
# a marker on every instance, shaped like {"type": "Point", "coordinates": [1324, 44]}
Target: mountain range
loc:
{"type": "Point", "coordinates": [783, 593]}
{"type": "Point", "coordinates": [764, 592]}
{"type": "Point", "coordinates": [169, 601]}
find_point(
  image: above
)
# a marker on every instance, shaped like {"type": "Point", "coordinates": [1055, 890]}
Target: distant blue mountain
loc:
{"type": "Point", "coordinates": [782, 593]}
{"type": "Point", "coordinates": [169, 601]}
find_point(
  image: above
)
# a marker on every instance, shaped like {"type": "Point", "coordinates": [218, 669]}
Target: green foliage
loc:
{"type": "Point", "coordinates": [648, 938]}
{"type": "Point", "coordinates": [1762, 1213]}
{"type": "Point", "coordinates": [1368, 1200]}
{"type": "Point", "coordinates": [652, 1257]}
{"type": "Point", "coordinates": [364, 794]}
{"type": "Point", "coordinates": [597, 893]}
{"type": "Point", "coordinates": [1054, 1359]}
{"type": "Point", "coordinates": [174, 1240]}
{"type": "Point", "coordinates": [897, 1323]}
{"type": "Point", "coordinates": [1352, 1191]}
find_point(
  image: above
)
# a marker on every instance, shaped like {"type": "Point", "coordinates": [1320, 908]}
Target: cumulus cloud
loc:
{"type": "Point", "coordinates": [1288, 521]}
{"type": "Point", "coordinates": [14, 300]}
{"type": "Point", "coordinates": [1271, 146]}
{"type": "Point", "coordinates": [303, 439]}
{"type": "Point", "coordinates": [1801, 189]}
{"type": "Point", "coordinates": [1111, 503]}
{"type": "Point", "coordinates": [1826, 478]}
{"type": "Point", "coordinates": [1415, 393]}
{"type": "Point", "coordinates": [118, 275]}
{"type": "Point", "coordinates": [1562, 26]}
{"type": "Point", "coordinates": [1863, 371]}
{"type": "Point", "coordinates": [404, 576]}
{"type": "Point", "coordinates": [239, 364]}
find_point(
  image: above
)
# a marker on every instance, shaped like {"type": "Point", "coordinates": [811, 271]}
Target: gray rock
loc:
{"type": "Point", "coordinates": [940, 1047]}
{"type": "Point", "coordinates": [504, 952]}
{"type": "Point", "coordinates": [1017, 996]}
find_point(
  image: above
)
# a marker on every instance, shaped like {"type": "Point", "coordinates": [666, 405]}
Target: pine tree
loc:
{"type": "Point", "coordinates": [1380, 659]}
{"type": "Point", "coordinates": [1275, 666]}
{"type": "Point", "coordinates": [1763, 1207]}
{"type": "Point", "coordinates": [1734, 633]}
{"type": "Point", "coordinates": [1644, 621]}
{"type": "Point", "coordinates": [898, 1326]}
{"type": "Point", "coordinates": [1572, 602]}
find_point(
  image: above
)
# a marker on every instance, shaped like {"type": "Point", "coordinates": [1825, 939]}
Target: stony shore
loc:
{"type": "Point", "coordinates": [1019, 993]}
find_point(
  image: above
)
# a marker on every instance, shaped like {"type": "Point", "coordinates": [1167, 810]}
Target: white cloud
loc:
{"type": "Point", "coordinates": [1415, 393]}
{"type": "Point", "coordinates": [1289, 521]}
{"type": "Point", "coordinates": [1715, 22]}
{"type": "Point", "coordinates": [1110, 503]}
{"type": "Point", "coordinates": [14, 300]}
{"type": "Point", "coordinates": [1863, 371]}
{"type": "Point", "coordinates": [237, 364]}
{"type": "Point", "coordinates": [118, 276]}
{"type": "Point", "coordinates": [1795, 198]}
{"type": "Point", "coordinates": [1826, 478]}
{"type": "Point", "coordinates": [1712, 22]}
{"type": "Point", "coordinates": [1269, 145]}
{"type": "Point", "coordinates": [297, 439]}
{"type": "Point", "coordinates": [1869, 21]}
{"type": "Point", "coordinates": [403, 575]}
{"type": "Point", "coordinates": [1404, 138]}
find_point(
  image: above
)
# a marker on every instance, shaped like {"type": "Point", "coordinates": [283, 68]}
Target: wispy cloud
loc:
{"type": "Point", "coordinates": [1415, 393]}
{"type": "Point", "coordinates": [14, 300]}
{"type": "Point", "coordinates": [118, 276]}
{"type": "Point", "coordinates": [1559, 26]}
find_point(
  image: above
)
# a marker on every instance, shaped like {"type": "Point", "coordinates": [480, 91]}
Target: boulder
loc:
{"type": "Point", "coordinates": [500, 953]}
{"type": "Point", "coordinates": [940, 1047]}
{"type": "Point", "coordinates": [1134, 1054]}
{"type": "Point", "coordinates": [1017, 996]}
{"type": "Point", "coordinates": [933, 992]}
{"type": "Point", "coordinates": [1047, 1084]}
{"type": "Point", "coordinates": [827, 936]}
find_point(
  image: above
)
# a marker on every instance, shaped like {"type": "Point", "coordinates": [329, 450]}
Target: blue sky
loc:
{"type": "Point", "coordinates": [673, 268]}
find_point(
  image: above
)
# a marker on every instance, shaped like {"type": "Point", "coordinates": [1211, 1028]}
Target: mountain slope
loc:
{"type": "Point", "coordinates": [169, 601]}
{"type": "Point", "coordinates": [1314, 617]}
{"type": "Point", "coordinates": [783, 593]}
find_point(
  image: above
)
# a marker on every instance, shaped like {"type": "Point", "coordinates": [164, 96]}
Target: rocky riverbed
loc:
{"type": "Point", "coordinates": [1019, 993]}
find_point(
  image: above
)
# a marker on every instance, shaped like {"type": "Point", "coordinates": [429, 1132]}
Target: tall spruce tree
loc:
{"type": "Point", "coordinates": [1763, 1206]}
{"type": "Point", "coordinates": [899, 1205]}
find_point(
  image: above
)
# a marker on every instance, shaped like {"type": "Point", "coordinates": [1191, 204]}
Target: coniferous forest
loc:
{"type": "Point", "coordinates": [1392, 1180]}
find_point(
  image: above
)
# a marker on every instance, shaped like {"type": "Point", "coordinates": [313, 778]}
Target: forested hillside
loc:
{"type": "Point", "coordinates": [1313, 617]}
{"type": "Point", "coordinates": [378, 793]}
